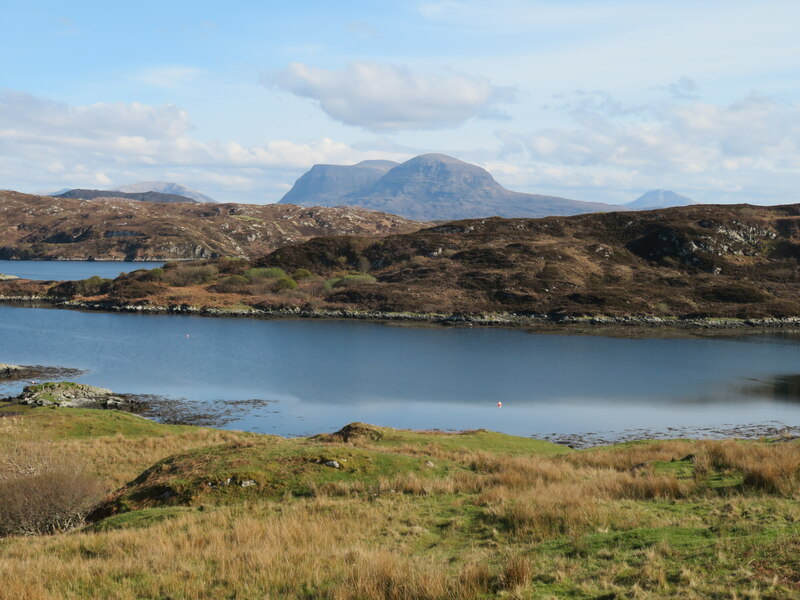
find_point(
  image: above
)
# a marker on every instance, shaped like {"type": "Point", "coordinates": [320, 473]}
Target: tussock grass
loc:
{"type": "Point", "coordinates": [773, 468]}
{"type": "Point", "coordinates": [414, 515]}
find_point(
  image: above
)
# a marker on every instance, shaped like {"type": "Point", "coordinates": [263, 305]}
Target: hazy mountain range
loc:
{"type": "Point", "coordinates": [659, 199]}
{"type": "Point", "coordinates": [426, 188]}
{"type": "Point", "coordinates": [164, 187]}
{"type": "Point", "coordinates": [157, 197]}
{"type": "Point", "coordinates": [165, 192]}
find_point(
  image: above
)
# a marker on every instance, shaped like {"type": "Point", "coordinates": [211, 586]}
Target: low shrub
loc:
{"type": "Point", "coordinates": [231, 284]}
{"type": "Point", "coordinates": [156, 274]}
{"type": "Point", "coordinates": [284, 283]}
{"type": "Point", "coordinates": [93, 286]}
{"type": "Point", "coordinates": [264, 273]}
{"type": "Point", "coordinates": [348, 280]}
{"type": "Point", "coordinates": [186, 275]}
{"type": "Point", "coordinates": [301, 274]}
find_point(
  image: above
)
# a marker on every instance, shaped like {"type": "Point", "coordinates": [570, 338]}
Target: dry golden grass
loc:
{"type": "Point", "coordinates": [626, 457]}
{"type": "Point", "coordinates": [774, 468]}
{"type": "Point", "coordinates": [480, 525]}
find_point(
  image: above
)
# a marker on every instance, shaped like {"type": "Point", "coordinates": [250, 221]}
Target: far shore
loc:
{"type": "Point", "coordinates": [608, 326]}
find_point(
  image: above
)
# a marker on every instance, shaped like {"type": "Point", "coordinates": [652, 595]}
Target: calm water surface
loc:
{"type": "Point", "coordinates": [319, 375]}
{"type": "Point", "coordinates": [70, 269]}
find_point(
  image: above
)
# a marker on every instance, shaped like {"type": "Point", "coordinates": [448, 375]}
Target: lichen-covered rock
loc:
{"type": "Point", "coordinates": [66, 394]}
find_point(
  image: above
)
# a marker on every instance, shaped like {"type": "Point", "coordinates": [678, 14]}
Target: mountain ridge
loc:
{"type": "Point", "coordinates": [164, 187]}
{"type": "Point", "coordinates": [437, 187]}
{"type": "Point", "coordinates": [154, 197]}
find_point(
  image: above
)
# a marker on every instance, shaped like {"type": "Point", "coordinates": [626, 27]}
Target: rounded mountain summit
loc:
{"type": "Point", "coordinates": [429, 187]}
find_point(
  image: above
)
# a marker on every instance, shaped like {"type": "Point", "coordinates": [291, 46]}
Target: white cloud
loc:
{"type": "Point", "coordinates": [383, 97]}
{"type": "Point", "coordinates": [743, 145]}
{"type": "Point", "coordinates": [47, 144]}
{"type": "Point", "coordinates": [34, 115]}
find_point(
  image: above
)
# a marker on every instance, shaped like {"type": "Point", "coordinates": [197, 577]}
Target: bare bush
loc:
{"type": "Point", "coordinates": [48, 502]}
{"type": "Point", "coordinates": [41, 491]}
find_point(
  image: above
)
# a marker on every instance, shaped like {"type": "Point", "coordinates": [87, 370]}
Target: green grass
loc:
{"type": "Point", "coordinates": [145, 517]}
{"type": "Point", "coordinates": [78, 423]}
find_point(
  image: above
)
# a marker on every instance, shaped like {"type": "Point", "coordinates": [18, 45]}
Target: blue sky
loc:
{"type": "Point", "coordinates": [598, 100]}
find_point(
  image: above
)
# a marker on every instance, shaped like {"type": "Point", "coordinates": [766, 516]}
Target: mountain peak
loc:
{"type": "Point", "coordinates": [660, 198]}
{"type": "Point", "coordinates": [425, 188]}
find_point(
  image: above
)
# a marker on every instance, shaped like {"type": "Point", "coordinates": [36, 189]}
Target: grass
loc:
{"type": "Point", "coordinates": [409, 515]}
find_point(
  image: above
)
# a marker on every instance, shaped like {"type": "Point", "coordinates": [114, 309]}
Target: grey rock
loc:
{"type": "Point", "coordinates": [334, 464]}
{"type": "Point", "coordinates": [248, 483]}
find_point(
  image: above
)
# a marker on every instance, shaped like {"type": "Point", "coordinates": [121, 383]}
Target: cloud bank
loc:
{"type": "Point", "coordinates": [47, 143]}
{"type": "Point", "coordinates": [733, 147]}
{"type": "Point", "coordinates": [381, 97]}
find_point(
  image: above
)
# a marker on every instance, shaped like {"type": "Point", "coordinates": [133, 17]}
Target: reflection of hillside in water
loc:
{"type": "Point", "coordinates": [784, 387]}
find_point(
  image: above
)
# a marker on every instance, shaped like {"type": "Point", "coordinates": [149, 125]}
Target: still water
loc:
{"type": "Point", "coordinates": [72, 270]}
{"type": "Point", "coordinates": [319, 375]}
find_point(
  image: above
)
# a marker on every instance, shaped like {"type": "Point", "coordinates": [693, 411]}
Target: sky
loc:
{"type": "Point", "coordinates": [593, 100]}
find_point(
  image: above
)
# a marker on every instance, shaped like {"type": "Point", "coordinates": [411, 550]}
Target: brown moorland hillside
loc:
{"type": "Point", "coordinates": [690, 262]}
{"type": "Point", "coordinates": [733, 261]}
{"type": "Point", "coordinates": [42, 227]}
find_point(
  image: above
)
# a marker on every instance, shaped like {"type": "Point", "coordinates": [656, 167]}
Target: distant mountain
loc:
{"type": "Point", "coordinates": [659, 199]}
{"type": "Point", "coordinates": [324, 185]}
{"type": "Point", "coordinates": [142, 196]}
{"type": "Point", "coordinates": [439, 187]}
{"type": "Point", "coordinates": [164, 187]}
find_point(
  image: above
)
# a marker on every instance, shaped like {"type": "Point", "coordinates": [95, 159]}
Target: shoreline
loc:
{"type": "Point", "coordinates": [603, 325]}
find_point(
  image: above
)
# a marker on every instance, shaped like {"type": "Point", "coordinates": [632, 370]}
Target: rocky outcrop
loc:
{"type": "Point", "coordinates": [43, 227]}
{"type": "Point", "coordinates": [66, 394]}
{"type": "Point", "coordinates": [10, 371]}
{"type": "Point", "coordinates": [32, 373]}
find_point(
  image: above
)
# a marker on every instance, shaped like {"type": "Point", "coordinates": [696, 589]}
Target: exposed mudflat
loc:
{"type": "Point", "coordinates": [772, 430]}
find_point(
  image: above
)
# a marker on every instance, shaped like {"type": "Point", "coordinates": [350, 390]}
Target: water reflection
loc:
{"type": "Point", "coordinates": [319, 376]}
{"type": "Point", "coordinates": [783, 387]}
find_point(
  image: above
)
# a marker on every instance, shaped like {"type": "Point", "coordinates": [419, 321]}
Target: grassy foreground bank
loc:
{"type": "Point", "coordinates": [380, 513]}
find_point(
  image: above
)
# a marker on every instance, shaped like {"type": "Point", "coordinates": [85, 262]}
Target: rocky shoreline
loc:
{"type": "Point", "coordinates": [174, 411]}
{"type": "Point", "coordinates": [508, 320]}
{"type": "Point", "coordinates": [11, 373]}
{"type": "Point", "coordinates": [67, 394]}
{"type": "Point", "coordinates": [773, 430]}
